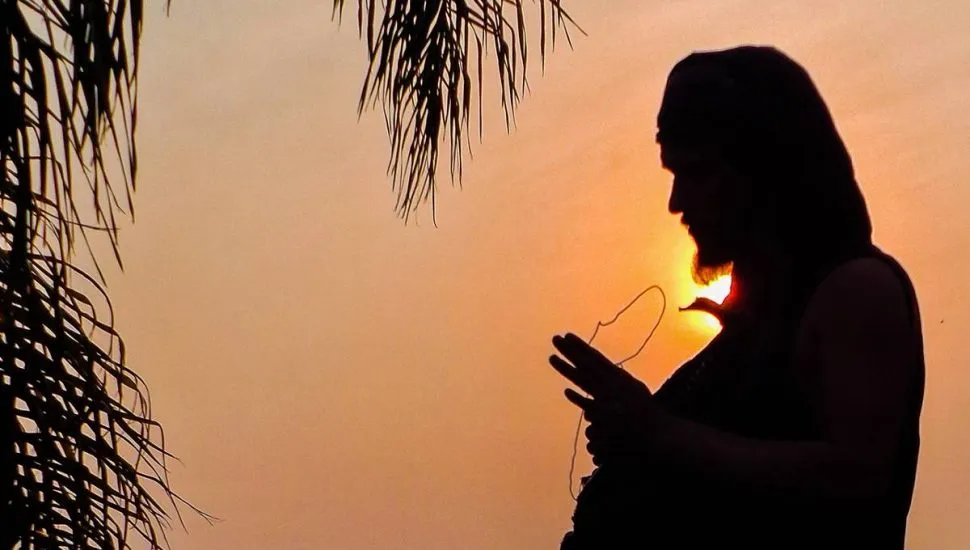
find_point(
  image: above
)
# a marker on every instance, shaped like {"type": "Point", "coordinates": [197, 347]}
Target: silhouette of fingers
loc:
{"type": "Point", "coordinates": [585, 403]}
{"type": "Point", "coordinates": [586, 367]}
{"type": "Point", "coordinates": [604, 433]}
{"type": "Point", "coordinates": [594, 410]}
{"type": "Point", "coordinates": [575, 349]}
{"type": "Point", "coordinates": [583, 378]}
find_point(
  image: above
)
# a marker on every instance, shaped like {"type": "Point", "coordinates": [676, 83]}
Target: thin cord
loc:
{"type": "Point", "coordinates": [599, 325]}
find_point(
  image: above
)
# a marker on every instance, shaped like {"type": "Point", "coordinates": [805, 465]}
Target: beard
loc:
{"type": "Point", "coordinates": [710, 263]}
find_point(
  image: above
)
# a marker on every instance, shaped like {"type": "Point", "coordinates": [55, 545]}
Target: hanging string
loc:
{"type": "Point", "coordinates": [602, 324]}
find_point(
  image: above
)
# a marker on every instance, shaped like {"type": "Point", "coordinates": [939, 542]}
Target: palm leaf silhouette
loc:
{"type": "Point", "coordinates": [82, 464]}
{"type": "Point", "coordinates": [426, 65]}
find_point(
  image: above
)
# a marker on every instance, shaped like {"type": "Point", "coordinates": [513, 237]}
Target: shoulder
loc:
{"type": "Point", "coordinates": [865, 300]}
{"type": "Point", "coordinates": [867, 287]}
{"type": "Point", "coordinates": [861, 356]}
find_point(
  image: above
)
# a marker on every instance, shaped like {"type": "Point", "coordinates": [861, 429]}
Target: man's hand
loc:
{"type": "Point", "coordinates": [621, 409]}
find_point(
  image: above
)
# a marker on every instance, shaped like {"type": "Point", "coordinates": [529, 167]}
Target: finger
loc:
{"type": "Point", "coordinates": [599, 452]}
{"type": "Point", "coordinates": [611, 380]}
{"type": "Point", "coordinates": [579, 377]}
{"type": "Point", "coordinates": [574, 347]}
{"type": "Point", "coordinates": [593, 410]}
{"type": "Point", "coordinates": [590, 378]}
{"type": "Point", "coordinates": [580, 401]}
{"type": "Point", "coordinates": [589, 360]}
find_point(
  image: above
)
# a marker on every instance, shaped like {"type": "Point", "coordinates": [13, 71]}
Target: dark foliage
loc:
{"type": "Point", "coordinates": [426, 66]}
{"type": "Point", "coordinates": [82, 464]}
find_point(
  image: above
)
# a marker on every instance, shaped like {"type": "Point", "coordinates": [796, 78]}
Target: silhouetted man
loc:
{"type": "Point", "coordinates": [797, 426]}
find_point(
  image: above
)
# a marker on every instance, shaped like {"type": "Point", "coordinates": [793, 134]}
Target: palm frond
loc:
{"type": "Point", "coordinates": [426, 65]}
{"type": "Point", "coordinates": [82, 463]}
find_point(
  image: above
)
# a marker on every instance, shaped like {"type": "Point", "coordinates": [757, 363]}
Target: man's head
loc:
{"type": "Point", "coordinates": [714, 202]}
{"type": "Point", "coordinates": [756, 157]}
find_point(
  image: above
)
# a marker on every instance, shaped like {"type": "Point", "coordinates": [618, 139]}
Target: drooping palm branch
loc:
{"type": "Point", "coordinates": [82, 463]}
{"type": "Point", "coordinates": [426, 65]}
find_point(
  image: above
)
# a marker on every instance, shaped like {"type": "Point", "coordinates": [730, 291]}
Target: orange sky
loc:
{"type": "Point", "coordinates": [333, 379]}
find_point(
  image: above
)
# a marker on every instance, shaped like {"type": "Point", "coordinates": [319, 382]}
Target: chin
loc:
{"type": "Point", "coordinates": [709, 264]}
{"type": "Point", "coordinates": [711, 252]}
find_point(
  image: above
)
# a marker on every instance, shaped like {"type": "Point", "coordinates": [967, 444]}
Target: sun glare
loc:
{"type": "Point", "coordinates": [717, 291]}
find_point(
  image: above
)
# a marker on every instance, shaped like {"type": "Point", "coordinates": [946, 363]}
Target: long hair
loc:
{"type": "Point", "coordinates": [762, 111]}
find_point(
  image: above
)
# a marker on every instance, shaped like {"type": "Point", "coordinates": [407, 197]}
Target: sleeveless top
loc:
{"type": "Point", "coordinates": [743, 383]}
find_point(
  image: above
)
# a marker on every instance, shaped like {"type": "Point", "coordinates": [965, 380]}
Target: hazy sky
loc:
{"type": "Point", "coordinates": [334, 379]}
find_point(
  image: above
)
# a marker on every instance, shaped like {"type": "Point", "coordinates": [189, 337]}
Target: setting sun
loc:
{"type": "Point", "coordinates": [716, 291]}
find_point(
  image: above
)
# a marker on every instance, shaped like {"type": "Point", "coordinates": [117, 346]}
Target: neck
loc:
{"type": "Point", "coordinates": [761, 281]}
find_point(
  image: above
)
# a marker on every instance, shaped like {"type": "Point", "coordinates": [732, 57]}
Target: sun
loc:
{"type": "Point", "coordinates": [717, 291]}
